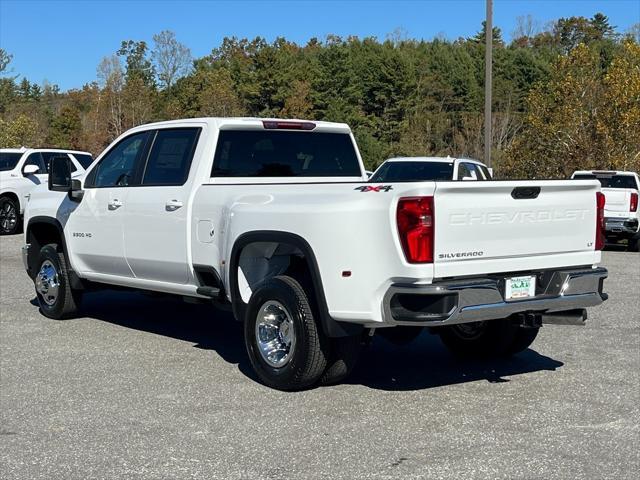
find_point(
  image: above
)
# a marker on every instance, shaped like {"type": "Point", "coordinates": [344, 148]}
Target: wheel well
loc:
{"type": "Point", "coordinates": [260, 261]}
{"type": "Point", "coordinates": [40, 234]}
{"type": "Point", "coordinates": [259, 255]}
{"type": "Point", "coordinates": [12, 196]}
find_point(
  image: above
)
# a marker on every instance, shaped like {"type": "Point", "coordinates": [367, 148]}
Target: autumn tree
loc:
{"type": "Point", "coordinates": [111, 80]}
{"type": "Point", "coordinates": [18, 132]}
{"type": "Point", "coordinates": [587, 116]}
{"type": "Point", "coordinates": [138, 92]}
{"type": "Point", "coordinates": [171, 58]}
{"type": "Point", "coordinates": [618, 119]}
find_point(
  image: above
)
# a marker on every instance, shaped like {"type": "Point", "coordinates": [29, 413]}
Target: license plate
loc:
{"type": "Point", "coordinates": [520, 287]}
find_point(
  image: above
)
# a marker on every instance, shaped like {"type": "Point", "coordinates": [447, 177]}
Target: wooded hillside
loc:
{"type": "Point", "coordinates": [564, 97]}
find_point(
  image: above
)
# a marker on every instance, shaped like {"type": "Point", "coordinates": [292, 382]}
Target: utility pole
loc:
{"type": "Point", "coordinates": [488, 33]}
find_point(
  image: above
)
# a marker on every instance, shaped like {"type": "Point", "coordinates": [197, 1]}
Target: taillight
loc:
{"type": "Point", "coordinates": [416, 226]}
{"type": "Point", "coordinates": [633, 202]}
{"type": "Point", "coordinates": [600, 201]}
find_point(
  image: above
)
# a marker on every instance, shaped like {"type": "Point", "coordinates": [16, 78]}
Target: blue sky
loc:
{"type": "Point", "coordinates": [63, 41]}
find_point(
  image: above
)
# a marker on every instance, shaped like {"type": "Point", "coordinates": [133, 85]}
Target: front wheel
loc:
{"type": "Point", "coordinates": [286, 346]}
{"type": "Point", "coordinates": [56, 298]}
{"type": "Point", "coordinates": [492, 338]}
{"type": "Point", "coordinates": [9, 216]}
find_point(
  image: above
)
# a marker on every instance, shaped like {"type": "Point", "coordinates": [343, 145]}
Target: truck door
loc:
{"type": "Point", "coordinates": [94, 230]}
{"type": "Point", "coordinates": [156, 227]}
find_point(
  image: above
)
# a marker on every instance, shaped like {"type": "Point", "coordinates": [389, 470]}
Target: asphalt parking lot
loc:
{"type": "Point", "coordinates": [144, 387]}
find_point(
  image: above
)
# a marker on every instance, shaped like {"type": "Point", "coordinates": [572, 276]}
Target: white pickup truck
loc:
{"type": "Point", "coordinates": [418, 169]}
{"type": "Point", "coordinates": [621, 216]}
{"type": "Point", "coordinates": [276, 218]}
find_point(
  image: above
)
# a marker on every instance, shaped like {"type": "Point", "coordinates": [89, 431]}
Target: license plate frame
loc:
{"type": "Point", "coordinates": [519, 288]}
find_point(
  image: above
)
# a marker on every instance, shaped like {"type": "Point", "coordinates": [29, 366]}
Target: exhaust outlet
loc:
{"type": "Point", "coordinates": [568, 317]}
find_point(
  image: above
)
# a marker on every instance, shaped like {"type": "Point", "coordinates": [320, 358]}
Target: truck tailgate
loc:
{"type": "Point", "coordinates": [504, 226]}
{"type": "Point", "coordinates": [617, 200]}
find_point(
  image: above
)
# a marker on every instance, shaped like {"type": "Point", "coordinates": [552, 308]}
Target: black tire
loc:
{"type": "Point", "coordinates": [400, 336]}
{"type": "Point", "coordinates": [66, 301]}
{"type": "Point", "coordinates": [634, 244]}
{"type": "Point", "coordinates": [343, 357]}
{"type": "Point", "coordinates": [10, 221]}
{"type": "Point", "coordinates": [523, 339]}
{"type": "Point", "coordinates": [308, 358]}
{"type": "Point", "coordinates": [492, 338]}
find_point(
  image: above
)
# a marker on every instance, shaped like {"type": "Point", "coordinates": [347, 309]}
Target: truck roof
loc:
{"type": "Point", "coordinates": [432, 159]}
{"type": "Point", "coordinates": [30, 149]}
{"type": "Point", "coordinates": [602, 172]}
{"type": "Point", "coordinates": [250, 122]}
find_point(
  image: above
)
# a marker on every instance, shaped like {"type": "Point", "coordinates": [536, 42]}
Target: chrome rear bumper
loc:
{"type": "Point", "coordinates": [473, 300]}
{"type": "Point", "coordinates": [621, 226]}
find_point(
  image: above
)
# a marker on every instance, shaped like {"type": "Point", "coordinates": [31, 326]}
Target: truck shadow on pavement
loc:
{"type": "Point", "coordinates": [423, 364]}
{"type": "Point", "coordinates": [426, 363]}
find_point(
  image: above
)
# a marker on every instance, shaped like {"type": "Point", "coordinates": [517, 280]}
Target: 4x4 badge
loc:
{"type": "Point", "coordinates": [378, 188]}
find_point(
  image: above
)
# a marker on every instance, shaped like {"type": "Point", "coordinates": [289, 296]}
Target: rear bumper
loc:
{"type": "Point", "coordinates": [477, 299]}
{"type": "Point", "coordinates": [620, 226]}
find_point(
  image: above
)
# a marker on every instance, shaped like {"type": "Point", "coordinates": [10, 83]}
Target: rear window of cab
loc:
{"type": "Point", "coordinates": [272, 153]}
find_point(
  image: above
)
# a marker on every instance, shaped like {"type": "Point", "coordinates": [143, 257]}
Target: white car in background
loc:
{"type": "Point", "coordinates": [23, 169]}
{"type": "Point", "coordinates": [417, 169]}
{"type": "Point", "coordinates": [621, 191]}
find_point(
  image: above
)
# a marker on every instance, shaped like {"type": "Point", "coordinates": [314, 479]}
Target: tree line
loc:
{"type": "Point", "coordinates": [565, 96]}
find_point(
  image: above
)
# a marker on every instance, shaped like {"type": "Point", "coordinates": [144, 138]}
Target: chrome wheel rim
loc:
{"type": "Point", "coordinates": [48, 283]}
{"type": "Point", "coordinates": [469, 331]}
{"type": "Point", "coordinates": [275, 334]}
{"type": "Point", "coordinates": [8, 217]}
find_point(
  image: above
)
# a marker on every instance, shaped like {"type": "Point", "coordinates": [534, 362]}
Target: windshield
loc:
{"type": "Point", "coordinates": [611, 181]}
{"type": "Point", "coordinates": [258, 153]}
{"type": "Point", "coordinates": [413, 172]}
{"type": "Point", "coordinates": [84, 159]}
{"type": "Point", "coordinates": [8, 160]}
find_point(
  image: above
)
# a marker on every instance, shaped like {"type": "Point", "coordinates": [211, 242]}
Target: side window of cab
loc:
{"type": "Point", "coordinates": [463, 171]}
{"type": "Point", "coordinates": [120, 166]}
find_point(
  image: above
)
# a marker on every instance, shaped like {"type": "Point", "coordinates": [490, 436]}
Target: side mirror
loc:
{"type": "Point", "coordinates": [60, 174]}
{"type": "Point", "coordinates": [76, 192]}
{"type": "Point", "coordinates": [30, 170]}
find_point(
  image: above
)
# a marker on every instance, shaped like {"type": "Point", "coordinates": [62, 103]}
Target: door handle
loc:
{"type": "Point", "coordinates": [114, 204]}
{"type": "Point", "coordinates": [173, 205]}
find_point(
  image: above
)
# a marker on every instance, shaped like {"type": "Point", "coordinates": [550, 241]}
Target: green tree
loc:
{"type": "Point", "coordinates": [138, 65]}
{"type": "Point", "coordinates": [66, 128]}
